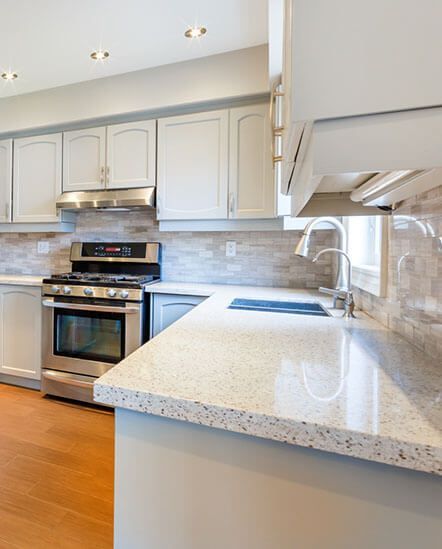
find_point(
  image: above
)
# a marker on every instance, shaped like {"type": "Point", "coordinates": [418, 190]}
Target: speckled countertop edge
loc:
{"type": "Point", "coordinates": [365, 445]}
{"type": "Point", "coordinates": [21, 279]}
{"type": "Point", "coordinates": [378, 448]}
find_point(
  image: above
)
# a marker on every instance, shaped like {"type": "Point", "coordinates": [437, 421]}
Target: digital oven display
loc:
{"type": "Point", "coordinates": [123, 249]}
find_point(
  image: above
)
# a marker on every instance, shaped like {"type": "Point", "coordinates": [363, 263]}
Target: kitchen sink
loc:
{"type": "Point", "coordinates": [290, 307]}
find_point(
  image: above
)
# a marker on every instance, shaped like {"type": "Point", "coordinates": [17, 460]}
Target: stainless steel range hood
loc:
{"type": "Point", "coordinates": [123, 199]}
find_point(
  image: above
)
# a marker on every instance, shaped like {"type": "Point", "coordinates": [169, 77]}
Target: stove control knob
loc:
{"type": "Point", "coordinates": [124, 294]}
{"type": "Point", "coordinates": [67, 290]}
{"type": "Point", "coordinates": [88, 291]}
{"type": "Point", "coordinates": [111, 292]}
{"type": "Point", "coordinates": [55, 289]}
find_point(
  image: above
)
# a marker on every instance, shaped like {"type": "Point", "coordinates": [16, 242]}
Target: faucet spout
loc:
{"type": "Point", "coordinates": [302, 248]}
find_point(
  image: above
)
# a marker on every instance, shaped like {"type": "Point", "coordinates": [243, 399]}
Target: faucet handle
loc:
{"type": "Point", "coordinates": [340, 294]}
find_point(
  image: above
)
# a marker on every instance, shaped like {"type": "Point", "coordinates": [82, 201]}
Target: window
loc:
{"type": "Point", "coordinates": [367, 247]}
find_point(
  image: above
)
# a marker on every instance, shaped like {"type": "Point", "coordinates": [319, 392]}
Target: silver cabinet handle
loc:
{"type": "Point", "coordinates": [231, 204]}
{"type": "Point", "coordinates": [7, 211]}
{"type": "Point", "coordinates": [82, 307]}
{"type": "Point", "coordinates": [107, 173]}
{"type": "Point", "coordinates": [102, 175]}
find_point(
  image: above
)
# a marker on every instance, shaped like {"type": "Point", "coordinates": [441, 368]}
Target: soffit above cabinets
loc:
{"type": "Point", "coordinates": [49, 43]}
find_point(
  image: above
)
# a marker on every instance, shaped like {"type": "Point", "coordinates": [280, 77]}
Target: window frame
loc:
{"type": "Point", "coordinates": [372, 278]}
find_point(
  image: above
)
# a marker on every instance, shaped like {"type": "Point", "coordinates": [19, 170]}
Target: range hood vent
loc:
{"type": "Point", "coordinates": [123, 199]}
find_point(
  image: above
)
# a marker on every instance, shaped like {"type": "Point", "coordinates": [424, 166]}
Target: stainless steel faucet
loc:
{"type": "Point", "coordinates": [344, 294]}
{"type": "Point", "coordinates": [302, 250]}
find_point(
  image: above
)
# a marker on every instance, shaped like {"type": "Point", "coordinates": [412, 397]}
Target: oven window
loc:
{"type": "Point", "coordinates": [89, 335]}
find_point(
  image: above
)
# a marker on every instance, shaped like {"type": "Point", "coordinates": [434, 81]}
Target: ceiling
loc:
{"type": "Point", "coordinates": [48, 42]}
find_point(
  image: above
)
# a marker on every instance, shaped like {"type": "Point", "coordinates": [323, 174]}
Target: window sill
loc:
{"type": "Point", "coordinates": [369, 278]}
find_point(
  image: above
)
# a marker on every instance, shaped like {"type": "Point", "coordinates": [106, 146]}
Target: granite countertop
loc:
{"type": "Point", "coordinates": [21, 279]}
{"type": "Point", "coordinates": [349, 387]}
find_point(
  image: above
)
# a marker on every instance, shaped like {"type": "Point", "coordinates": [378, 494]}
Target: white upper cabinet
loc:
{"type": "Point", "coordinates": [5, 180]}
{"type": "Point", "coordinates": [352, 58]}
{"type": "Point", "coordinates": [131, 155]}
{"type": "Point", "coordinates": [37, 178]}
{"type": "Point", "coordinates": [193, 166]}
{"type": "Point", "coordinates": [84, 159]}
{"type": "Point", "coordinates": [20, 331]}
{"type": "Point", "coordinates": [114, 157]}
{"type": "Point", "coordinates": [251, 180]}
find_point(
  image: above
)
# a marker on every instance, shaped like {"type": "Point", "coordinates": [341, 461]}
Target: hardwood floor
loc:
{"type": "Point", "coordinates": [56, 473]}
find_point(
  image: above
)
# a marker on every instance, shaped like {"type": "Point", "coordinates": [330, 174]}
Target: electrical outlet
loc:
{"type": "Point", "coordinates": [230, 248]}
{"type": "Point", "coordinates": [42, 247]}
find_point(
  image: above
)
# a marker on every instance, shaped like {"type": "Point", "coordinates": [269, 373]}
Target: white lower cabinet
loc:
{"type": "Point", "coordinates": [20, 331]}
{"type": "Point", "coordinates": [167, 308]}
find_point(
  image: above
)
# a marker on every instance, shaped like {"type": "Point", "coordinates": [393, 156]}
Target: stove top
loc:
{"type": "Point", "coordinates": [102, 279]}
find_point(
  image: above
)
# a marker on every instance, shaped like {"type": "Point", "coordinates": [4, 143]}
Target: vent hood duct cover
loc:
{"type": "Point", "coordinates": [119, 199]}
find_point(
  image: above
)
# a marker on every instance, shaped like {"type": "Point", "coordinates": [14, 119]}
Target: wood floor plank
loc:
{"type": "Point", "coordinates": [56, 473]}
{"type": "Point", "coordinates": [34, 471]}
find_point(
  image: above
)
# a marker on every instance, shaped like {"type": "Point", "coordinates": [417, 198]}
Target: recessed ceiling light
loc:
{"type": "Point", "coordinates": [195, 32]}
{"type": "Point", "coordinates": [100, 55]}
{"type": "Point", "coordinates": [9, 75]}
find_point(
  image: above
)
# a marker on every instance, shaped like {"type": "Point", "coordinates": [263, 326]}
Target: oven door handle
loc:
{"type": "Point", "coordinates": [82, 307]}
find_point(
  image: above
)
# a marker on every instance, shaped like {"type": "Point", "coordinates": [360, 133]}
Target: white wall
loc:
{"type": "Point", "coordinates": [228, 75]}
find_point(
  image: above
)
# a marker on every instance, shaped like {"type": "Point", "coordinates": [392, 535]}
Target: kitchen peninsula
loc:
{"type": "Point", "coordinates": [202, 410]}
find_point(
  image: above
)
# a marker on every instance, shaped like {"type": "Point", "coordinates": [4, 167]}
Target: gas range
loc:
{"type": "Point", "coordinates": [97, 314]}
{"type": "Point", "coordinates": [128, 284]}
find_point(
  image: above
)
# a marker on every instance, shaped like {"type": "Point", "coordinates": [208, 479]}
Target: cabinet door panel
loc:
{"type": "Point", "coordinates": [251, 180]}
{"type": "Point", "coordinates": [37, 178]}
{"type": "Point", "coordinates": [131, 155]}
{"type": "Point", "coordinates": [84, 159]}
{"type": "Point", "coordinates": [20, 333]}
{"type": "Point", "coordinates": [168, 308]}
{"type": "Point", "coordinates": [5, 180]}
{"type": "Point", "coordinates": [351, 58]}
{"type": "Point", "coordinates": [193, 166]}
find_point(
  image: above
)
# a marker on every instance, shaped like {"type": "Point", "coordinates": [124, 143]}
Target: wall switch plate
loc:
{"type": "Point", "coordinates": [230, 248]}
{"type": "Point", "coordinates": [42, 247]}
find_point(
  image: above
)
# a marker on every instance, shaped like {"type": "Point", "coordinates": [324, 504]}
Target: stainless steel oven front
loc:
{"type": "Point", "coordinates": [84, 339]}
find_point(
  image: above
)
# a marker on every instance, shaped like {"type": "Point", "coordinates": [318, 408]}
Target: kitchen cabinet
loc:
{"type": "Point", "coordinates": [113, 157]}
{"type": "Point", "coordinates": [251, 180]}
{"type": "Point", "coordinates": [131, 155]}
{"type": "Point", "coordinates": [20, 331]}
{"type": "Point", "coordinates": [167, 308]}
{"type": "Point", "coordinates": [216, 165]}
{"type": "Point", "coordinates": [37, 178]}
{"type": "Point", "coordinates": [5, 180]}
{"type": "Point", "coordinates": [193, 166]}
{"type": "Point", "coordinates": [356, 58]}
{"type": "Point", "coordinates": [84, 159]}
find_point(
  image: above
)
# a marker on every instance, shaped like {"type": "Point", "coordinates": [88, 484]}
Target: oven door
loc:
{"type": "Point", "coordinates": [89, 338]}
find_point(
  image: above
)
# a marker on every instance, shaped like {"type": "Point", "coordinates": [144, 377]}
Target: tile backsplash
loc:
{"type": "Point", "coordinates": [413, 305]}
{"type": "Point", "coordinates": [263, 258]}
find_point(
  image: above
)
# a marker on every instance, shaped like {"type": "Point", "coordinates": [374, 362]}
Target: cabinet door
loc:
{"type": "Point", "coordinates": [131, 155]}
{"type": "Point", "coordinates": [20, 331]}
{"type": "Point", "coordinates": [251, 181]}
{"type": "Point", "coordinates": [37, 178]}
{"type": "Point", "coordinates": [84, 159]}
{"type": "Point", "coordinates": [168, 308]}
{"type": "Point", "coordinates": [5, 180]}
{"type": "Point", "coordinates": [351, 58]}
{"type": "Point", "coordinates": [193, 166]}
